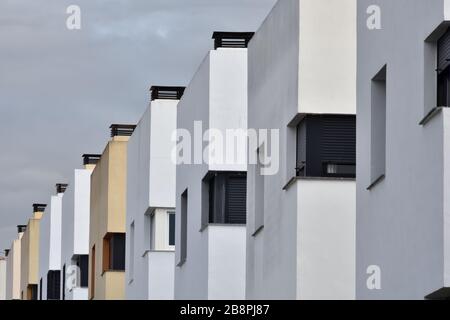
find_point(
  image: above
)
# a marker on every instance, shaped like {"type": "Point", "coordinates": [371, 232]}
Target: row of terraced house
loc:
{"type": "Point", "coordinates": [295, 206]}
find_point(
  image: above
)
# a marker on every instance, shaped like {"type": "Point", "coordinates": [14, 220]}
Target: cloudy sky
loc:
{"type": "Point", "coordinates": [60, 89]}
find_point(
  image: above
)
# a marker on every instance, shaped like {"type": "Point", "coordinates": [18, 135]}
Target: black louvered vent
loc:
{"type": "Point", "coordinates": [236, 204]}
{"type": "Point", "coordinates": [39, 207]}
{"type": "Point", "coordinates": [91, 158]}
{"type": "Point", "coordinates": [167, 93]}
{"type": "Point", "coordinates": [232, 39]}
{"type": "Point", "coordinates": [444, 51]}
{"type": "Point", "coordinates": [53, 285]}
{"type": "Point", "coordinates": [125, 130]}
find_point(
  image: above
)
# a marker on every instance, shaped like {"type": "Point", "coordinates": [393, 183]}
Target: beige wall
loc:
{"type": "Point", "coordinates": [108, 203]}
{"type": "Point", "coordinates": [14, 270]}
{"type": "Point", "coordinates": [30, 254]}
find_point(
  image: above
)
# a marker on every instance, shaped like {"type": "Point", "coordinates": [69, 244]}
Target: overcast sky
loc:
{"type": "Point", "coordinates": [60, 90]}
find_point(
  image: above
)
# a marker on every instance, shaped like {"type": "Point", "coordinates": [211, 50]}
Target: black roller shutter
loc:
{"type": "Point", "coordinates": [444, 51]}
{"type": "Point", "coordinates": [236, 199]}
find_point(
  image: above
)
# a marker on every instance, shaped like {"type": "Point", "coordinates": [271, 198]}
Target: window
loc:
{"type": "Point", "coordinates": [171, 228]}
{"type": "Point", "coordinates": [40, 289]}
{"type": "Point", "coordinates": [326, 146]}
{"type": "Point", "coordinates": [82, 261]}
{"type": "Point", "coordinates": [64, 283]}
{"type": "Point", "coordinates": [183, 229]}
{"type": "Point", "coordinates": [378, 126]}
{"type": "Point", "coordinates": [53, 285]}
{"type": "Point", "coordinates": [227, 197]}
{"type": "Point", "coordinates": [443, 71]}
{"type": "Point", "coordinates": [114, 252]}
{"type": "Point", "coordinates": [32, 292]}
{"type": "Point", "coordinates": [131, 251]}
{"type": "Point", "coordinates": [92, 287]}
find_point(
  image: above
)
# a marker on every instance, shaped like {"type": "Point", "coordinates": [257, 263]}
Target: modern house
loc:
{"type": "Point", "coordinates": [13, 268]}
{"type": "Point", "coordinates": [75, 232]}
{"type": "Point", "coordinates": [107, 218]}
{"type": "Point", "coordinates": [2, 278]}
{"type": "Point", "coordinates": [29, 261]}
{"type": "Point", "coordinates": [50, 248]}
{"type": "Point", "coordinates": [210, 190]}
{"type": "Point", "coordinates": [403, 213]}
{"type": "Point", "coordinates": [301, 191]}
{"type": "Point", "coordinates": [150, 234]}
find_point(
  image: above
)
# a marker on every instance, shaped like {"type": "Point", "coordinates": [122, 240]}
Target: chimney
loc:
{"type": "Point", "coordinates": [6, 252]}
{"type": "Point", "coordinates": [232, 39]}
{"type": "Point", "coordinates": [61, 187]}
{"type": "Point", "coordinates": [38, 210]}
{"type": "Point", "coordinates": [90, 160]}
{"type": "Point", "coordinates": [166, 93]}
{"type": "Point", "coordinates": [122, 130]}
{"type": "Point", "coordinates": [21, 228]}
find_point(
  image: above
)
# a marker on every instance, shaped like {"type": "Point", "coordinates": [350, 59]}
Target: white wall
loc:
{"type": "Point", "coordinates": [160, 275]}
{"type": "Point", "coordinates": [150, 190]}
{"type": "Point", "coordinates": [217, 97]}
{"type": "Point", "coordinates": [2, 279]}
{"type": "Point", "coordinates": [50, 241]}
{"type": "Point", "coordinates": [326, 239]}
{"type": "Point", "coordinates": [301, 60]}
{"type": "Point", "coordinates": [75, 223]}
{"type": "Point", "coordinates": [226, 262]}
{"type": "Point", "coordinates": [327, 68]}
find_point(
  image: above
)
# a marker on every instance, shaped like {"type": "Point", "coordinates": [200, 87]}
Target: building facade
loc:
{"type": "Point", "coordinates": [403, 229]}
{"type": "Point", "coordinates": [107, 218]}
{"type": "Point", "coordinates": [29, 261]}
{"type": "Point", "coordinates": [210, 191]}
{"type": "Point", "coordinates": [13, 268]}
{"type": "Point", "coordinates": [50, 248]}
{"type": "Point", "coordinates": [301, 191]}
{"type": "Point", "coordinates": [150, 234]}
{"type": "Point", "coordinates": [2, 278]}
{"type": "Point", "coordinates": [75, 232]}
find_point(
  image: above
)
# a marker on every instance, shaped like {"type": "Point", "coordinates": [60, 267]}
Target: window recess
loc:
{"type": "Point", "coordinates": [326, 146]}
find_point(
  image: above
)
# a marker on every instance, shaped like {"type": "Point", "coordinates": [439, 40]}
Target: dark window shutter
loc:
{"type": "Point", "coordinates": [339, 139]}
{"type": "Point", "coordinates": [53, 285]}
{"type": "Point", "coordinates": [82, 264]}
{"type": "Point", "coordinates": [444, 51]}
{"type": "Point", "coordinates": [236, 203]}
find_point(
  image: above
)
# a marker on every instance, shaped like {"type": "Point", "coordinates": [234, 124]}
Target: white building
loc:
{"type": "Point", "coordinates": [403, 220]}
{"type": "Point", "coordinates": [50, 248]}
{"type": "Point", "coordinates": [210, 208]}
{"type": "Point", "coordinates": [13, 267]}
{"type": "Point", "coordinates": [2, 278]}
{"type": "Point", "coordinates": [150, 234]}
{"type": "Point", "coordinates": [301, 217]}
{"type": "Point", "coordinates": [75, 232]}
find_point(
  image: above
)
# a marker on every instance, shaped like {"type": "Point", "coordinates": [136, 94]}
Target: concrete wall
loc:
{"type": "Point", "coordinates": [400, 220]}
{"type": "Point", "coordinates": [14, 270]}
{"type": "Point", "coordinates": [226, 262]}
{"type": "Point", "coordinates": [50, 241]}
{"type": "Point", "coordinates": [217, 97]}
{"type": "Point", "coordinates": [30, 254]}
{"type": "Point", "coordinates": [160, 274]}
{"type": "Point", "coordinates": [107, 214]}
{"type": "Point", "coordinates": [326, 239]}
{"type": "Point", "coordinates": [295, 59]}
{"type": "Point", "coordinates": [150, 190]}
{"type": "Point", "coordinates": [75, 224]}
{"type": "Point", "coordinates": [2, 278]}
